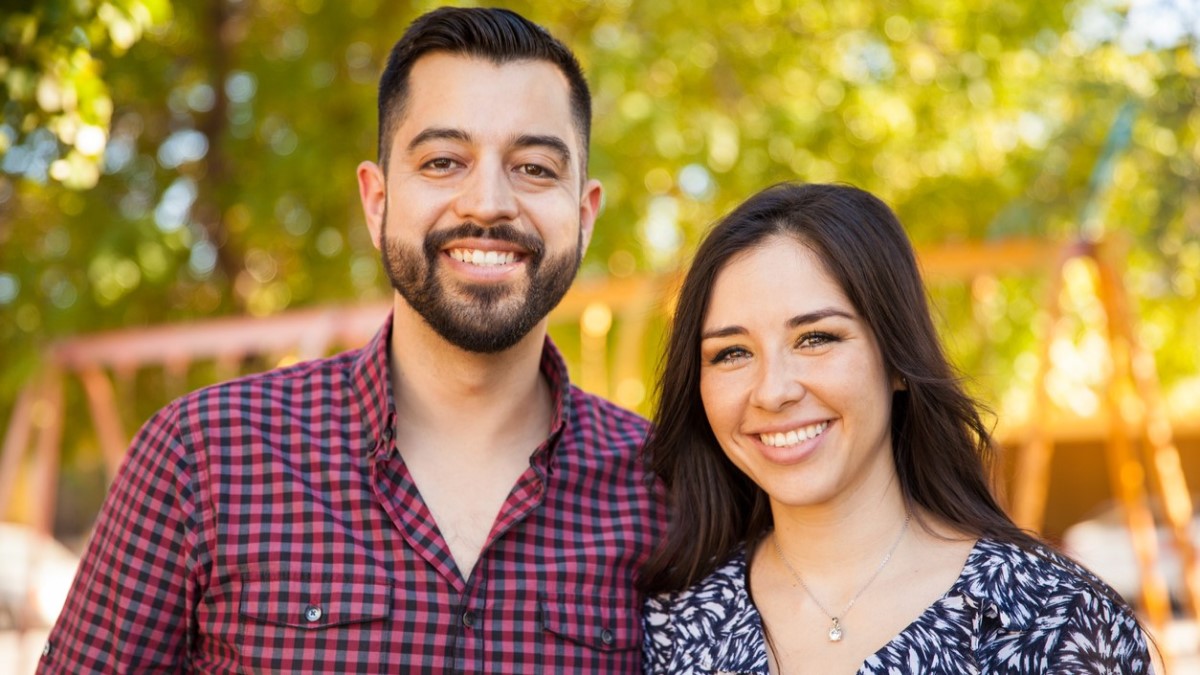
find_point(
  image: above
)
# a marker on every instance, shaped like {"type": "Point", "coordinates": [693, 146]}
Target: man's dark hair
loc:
{"type": "Point", "coordinates": [497, 35]}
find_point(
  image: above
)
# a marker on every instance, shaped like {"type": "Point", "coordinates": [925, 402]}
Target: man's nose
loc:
{"type": "Point", "coordinates": [487, 196]}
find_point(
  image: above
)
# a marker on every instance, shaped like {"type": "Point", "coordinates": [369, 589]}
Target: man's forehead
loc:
{"type": "Point", "coordinates": [477, 95]}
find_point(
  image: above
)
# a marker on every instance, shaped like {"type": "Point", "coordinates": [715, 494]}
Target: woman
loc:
{"type": "Point", "coordinates": [831, 511]}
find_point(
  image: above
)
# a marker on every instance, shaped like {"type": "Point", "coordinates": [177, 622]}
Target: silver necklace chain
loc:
{"type": "Point", "coordinates": [836, 632]}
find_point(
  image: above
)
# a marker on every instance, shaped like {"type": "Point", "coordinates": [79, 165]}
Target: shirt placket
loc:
{"type": "Point", "coordinates": [482, 635]}
{"type": "Point", "coordinates": [472, 636]}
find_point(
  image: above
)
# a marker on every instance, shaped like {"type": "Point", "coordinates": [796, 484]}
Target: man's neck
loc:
{"type": "Point", "coordinates": [466, 425]}
{"type": "Point", "coordinates": [438, 388]}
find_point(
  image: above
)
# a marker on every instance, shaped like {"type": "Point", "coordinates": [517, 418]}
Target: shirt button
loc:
{"type": "Point", "coordinates": [469, 619]}
{"type": "Point", "coordinates": [312, 613]}
{"type": "Point", "coordinates": [606, 636]}
{"type": "Point", "coordinates": [46, 649]}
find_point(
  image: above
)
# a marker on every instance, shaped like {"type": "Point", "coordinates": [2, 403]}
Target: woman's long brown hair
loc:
{"type": "Point", "coordinates": [941, 446]}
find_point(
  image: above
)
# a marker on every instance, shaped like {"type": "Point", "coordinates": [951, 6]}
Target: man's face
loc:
{"type": "Point", "coordinates": [485, 213]}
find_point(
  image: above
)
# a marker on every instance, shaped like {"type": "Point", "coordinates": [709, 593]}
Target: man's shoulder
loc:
{"type": "Point", "coordinates": [290, 386]}
{"type": "Point", "coordinates": [605, 428]}
{"type": "Point", "coordinates": [600, 409]}
{"type": "Point", "coordinates": [312, 402]}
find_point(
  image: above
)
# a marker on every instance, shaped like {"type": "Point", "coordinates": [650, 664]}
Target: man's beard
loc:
{"type": "Point", "coordinates": [491, 317]}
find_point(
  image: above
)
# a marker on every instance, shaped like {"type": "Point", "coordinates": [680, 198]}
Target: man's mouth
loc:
{"type": "Point", "coordinates": [476, 256]}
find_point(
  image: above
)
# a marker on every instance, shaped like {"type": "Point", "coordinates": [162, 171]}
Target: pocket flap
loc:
{"type": "Point", "coordinates": [600, 623]}
{"type": "Point", "coordinates": [313, 603]}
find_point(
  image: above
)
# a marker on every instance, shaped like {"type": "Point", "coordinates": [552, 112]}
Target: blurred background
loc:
{"type": "Point", "coordinates": [178, 206]}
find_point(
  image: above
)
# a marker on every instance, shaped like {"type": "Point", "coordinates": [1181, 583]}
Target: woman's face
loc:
{"type": "Point", "coordinates": [792, 380]}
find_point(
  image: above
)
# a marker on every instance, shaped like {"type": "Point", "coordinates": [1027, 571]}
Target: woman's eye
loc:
{"type": "Point", "coordinates": [814, 340]}
{"type": "Point", "coordinates": [730, 355]}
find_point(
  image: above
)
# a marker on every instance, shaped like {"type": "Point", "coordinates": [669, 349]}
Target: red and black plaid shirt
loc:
{"type": "Point", "coordinates": [269, 525]}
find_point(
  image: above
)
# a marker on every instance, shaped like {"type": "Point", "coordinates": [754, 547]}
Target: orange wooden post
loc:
{"type": "Point", "coordinates": [1128, 479]}
{"type": "Point", "coordinates": [105, 417]}
{"type": "Point", "coordinates": [16, 440]}
{"type": "Point", "coordinates": [48, 421]}
{"type": "Point", "coordinates": [1031, 478]}
{"type": "Point", "coordinates": [1127, 473]}
{"type": "Point", "coordinates": [595, 323]}
{"type": "Point", "coordinates": [629, 379]}
{"type": "Point", "coordinates": [1137, 366]}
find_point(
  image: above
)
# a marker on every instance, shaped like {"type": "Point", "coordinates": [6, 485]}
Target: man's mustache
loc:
{"type": "Point", "coordinates": [506, 232]}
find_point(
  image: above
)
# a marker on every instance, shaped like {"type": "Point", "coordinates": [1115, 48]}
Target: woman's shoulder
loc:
{"type": "Point", "coordinates": [1030, 586]}
{"type": "Point", "coordinates": [1011, 565]}
{"type": "Point", "coordinates": [1041, 607]}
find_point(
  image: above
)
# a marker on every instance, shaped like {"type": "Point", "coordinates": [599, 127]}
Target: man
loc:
{"type": "Point", "coordinates": [441, 500]}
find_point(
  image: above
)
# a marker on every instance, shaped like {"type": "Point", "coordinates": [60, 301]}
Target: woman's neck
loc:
{"type": "Point", "coordinates": [838, 538]}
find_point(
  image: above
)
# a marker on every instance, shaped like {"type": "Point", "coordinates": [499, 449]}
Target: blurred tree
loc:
{"type": "Point", "coordinates": [56, 104]}
{"type": "Point", "coordinates": [226, 182]}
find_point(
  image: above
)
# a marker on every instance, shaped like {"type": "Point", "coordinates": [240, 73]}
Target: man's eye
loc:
{"type": "Point", "coordinates": [440, 164]}
{"type": "Point", "coordinates": [536, 171]}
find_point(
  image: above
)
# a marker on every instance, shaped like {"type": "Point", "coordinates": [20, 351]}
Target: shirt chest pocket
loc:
{"type": "Point", "coordinates": [605, 625]}
{"type": "Point", "coordinates": [294, 623]}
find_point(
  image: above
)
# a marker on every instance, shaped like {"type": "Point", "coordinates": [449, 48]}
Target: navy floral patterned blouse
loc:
{"type": "Point", "coordinates": [1009, 612]}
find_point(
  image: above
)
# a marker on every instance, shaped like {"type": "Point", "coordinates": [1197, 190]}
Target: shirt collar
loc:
{"type": "Point", "coordinates": [371, 380]}
{"type": "Point", "coordinates": [371, 386]}
{"type": "Point", "coordinates": [1008, 584]}
{"type": "Point", "coordinates": [554, 368]}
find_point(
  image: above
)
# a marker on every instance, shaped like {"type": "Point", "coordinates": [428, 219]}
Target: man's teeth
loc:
{"type": "Point", "coordinates": [784, 439]}
{"type": "Point", "coordinates": [477, 257]}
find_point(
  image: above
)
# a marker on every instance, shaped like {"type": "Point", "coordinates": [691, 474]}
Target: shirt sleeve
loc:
{"type": "Point", "coordinates": [658, 639]}
{"type": "Point", "coordinates": [1101, 636]}
{"type": "Point", "coordinates": [130, 608]}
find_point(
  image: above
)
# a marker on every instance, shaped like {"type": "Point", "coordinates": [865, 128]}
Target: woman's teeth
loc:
{"type": "Point", "coordinates": [784, 439]}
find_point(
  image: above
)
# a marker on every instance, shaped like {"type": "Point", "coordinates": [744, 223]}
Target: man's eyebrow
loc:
{"type": "Point", "coordinates": [439, 133]}
{"type": "Point", "coordinates": [794, 322]}
{"type": "Point", "coordinates": [558, 145]}
{"type": "Point", "coordinates": [553, 143]}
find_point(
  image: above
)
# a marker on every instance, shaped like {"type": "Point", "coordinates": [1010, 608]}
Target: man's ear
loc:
{"type": "Point", "coordinates": [372, 192]}
{"type": "Point", "coordinates": [589, 208]}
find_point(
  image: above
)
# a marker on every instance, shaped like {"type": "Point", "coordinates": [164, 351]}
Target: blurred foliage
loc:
{"type": "Point", "coordinates": [55, 98]}
{"type": "Point", "coordinates": [229, 131]}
